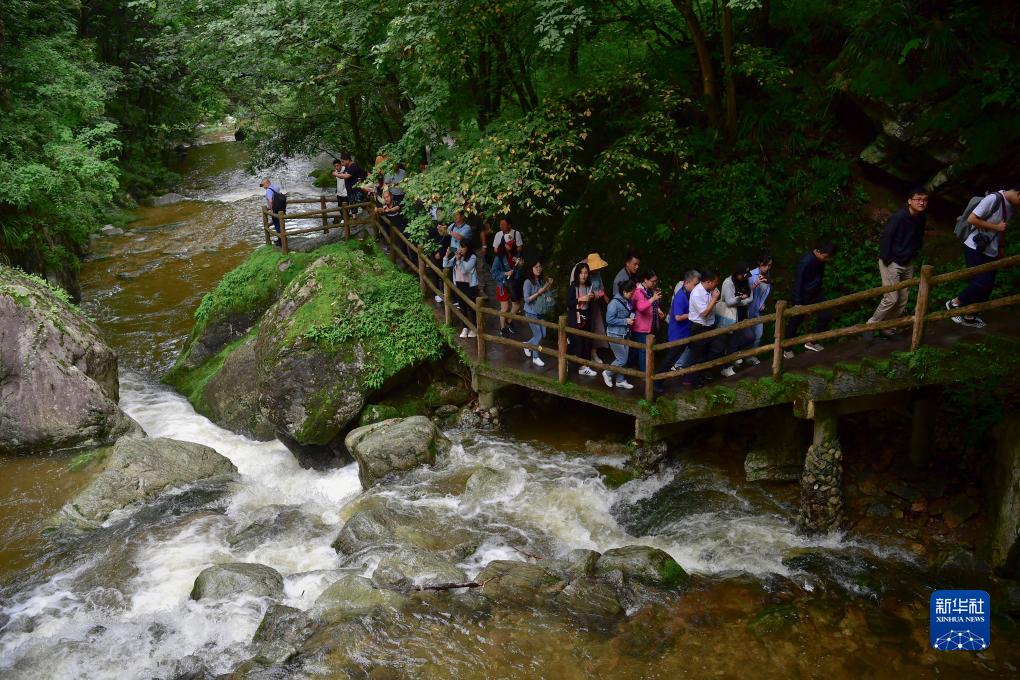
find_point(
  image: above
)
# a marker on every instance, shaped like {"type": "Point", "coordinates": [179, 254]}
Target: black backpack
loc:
{"type": "Point", "coordinates": [279, 202]}
{"type": "Point", "coordinates": [964, 228]}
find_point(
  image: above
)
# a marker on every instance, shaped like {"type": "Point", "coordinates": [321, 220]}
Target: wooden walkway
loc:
{"type": "Point", "coordinates": [497, 361]}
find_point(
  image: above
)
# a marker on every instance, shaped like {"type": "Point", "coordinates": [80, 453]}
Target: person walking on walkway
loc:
{"type": "Point", "coordinates": [898, 248]}
{"type": "Point", "coordinates": [807, 290]}
{"type": "Point", "coordinates": [341, 184]}
{"type": "Point", "coordinates": [352, 176]}
{"type": "Point", "coordinates": [629, 271]}
{"type": "Point", "coordinates": [646, 307]}
{"type": "Point", "coordinates": [761, 288]}
{"type": "Point", "coordinates": [731, 308]}
{"type": "Point", "coordinates": [597, 309]}
{"type": "Point", "coordinates": [704, 298]}
{"type": "Point", "coordinates": [273, 204]}
{"type": "Point", "coordinates": [619, 319]}
{"type": "Point", "coordinates": [985, 243]}
{"type": "Point", "coordinates": [464, 264]}
{"type": "Point", "coordinates": [507, 272]}
{"type": "Point", "coordinates": [679, 326]}
{"type": "Point", "coordinates": [579, 303]}
{"type": "Point", "coordinates": [538, 302]}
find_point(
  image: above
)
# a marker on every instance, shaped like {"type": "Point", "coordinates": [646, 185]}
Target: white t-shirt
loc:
{"type": "Point", "coordinates": [986, 211]}
{"type": "Point", "coordinates": [699, 301]}
{"type": "Point", "coordinates": [497, 241]}
{"type": "Point", "coordinates": [341, 188]}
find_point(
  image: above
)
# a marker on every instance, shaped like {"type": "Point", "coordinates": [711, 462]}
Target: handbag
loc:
{"type": "Point", "coordinates": [544, 304]}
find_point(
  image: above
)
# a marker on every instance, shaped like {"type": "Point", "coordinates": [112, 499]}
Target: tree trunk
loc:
{"type": "Point", "coordinates": [575, 48]}
{"type": "Point", "coordinates": [686, 9]}
{"type": "Point", "coordinates": [765, 21]}
{"type": "Point", "coordinates": [728, 66]}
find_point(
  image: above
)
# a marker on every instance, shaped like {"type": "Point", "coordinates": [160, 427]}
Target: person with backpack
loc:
{"type": "Point", "coordinates": [898, 248]}
{"type": "Point", "coordinates": [276, 203]}
{"type": "Point", "coordinates": [982, 228]}
{"type": "Point", "coordinates": [506, 272]}
{"type": "Point", "coordinates": [538, 303]}
{"type": "Point", "coordinates": [619, 318]}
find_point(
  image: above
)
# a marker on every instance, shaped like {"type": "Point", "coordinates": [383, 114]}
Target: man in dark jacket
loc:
{"type": "Point", "coordinates": [352, 175]}
{"type": "Point", "coordinates": [900, 244]}
{"type": "Point", "coordinates": [807, 290]}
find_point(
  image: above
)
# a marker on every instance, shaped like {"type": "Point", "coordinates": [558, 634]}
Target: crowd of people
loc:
{"type": "Point", "coordinates": [635, 306]}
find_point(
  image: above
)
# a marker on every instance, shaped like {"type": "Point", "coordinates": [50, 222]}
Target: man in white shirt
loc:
{"type": "Point", "coordinates": [702, 317]}
{"type": "Point", "coordinates": [982, 245]}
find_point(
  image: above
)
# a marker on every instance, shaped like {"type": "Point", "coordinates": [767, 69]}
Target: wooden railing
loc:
{"type": "Point", "coordinates": [475, 320]}
{"type": "Point", "coordinates": [347, 214]}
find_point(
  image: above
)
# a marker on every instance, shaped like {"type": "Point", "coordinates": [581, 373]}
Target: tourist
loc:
{"type": "Point", "coordinates": [394, 217]}
{"type": "Point", "coordinates": [464, 265]}
{"type": "Point", "coordinates": [761, 288]}
{"type": "Point", "coordinates": [898, 248]}
{"type": "Point", "coordinates": [538, 302]}
{"type": "Point", "coordinates": [393, 182]}
{"type": "Point", "coordinates": [629, 271]}
{"type": "Point", "coordinates": [646, 308]}
{"type": "Point", "coordinates": [701, 314]}
{"type": "Point", "coordinates": [341, 184]}
{"type": "Point", "coordinates": [275, 204]}
{"type": "Point", "coordinates": [679, 326]}
{"type": "Point", "coordinates": [598, 305]}
{"type": "Point", "coordinates": [619, 319]}
{"type": "Point", "coordinates": [460, 230]}
{"type": "Point", "coordinates": [734, 298]}
{"type": "Point", "coordinates": [352, 176]}
{"type": "Point", "coordinates": [579, 302]}
{"type": "Point", "coordinates": [985, 243]}
{"type": "Point", "coordinates": [507, 272]}
{"type": "Point", "coordinates": [439, 235]}
{"type": "Point", "coordinates": [807, 290]}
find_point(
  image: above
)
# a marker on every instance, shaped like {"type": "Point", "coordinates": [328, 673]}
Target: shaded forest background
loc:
{"type": "Point", "coordinates": [697, 131]}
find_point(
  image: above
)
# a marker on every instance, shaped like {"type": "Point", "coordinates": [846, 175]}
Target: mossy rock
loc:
{"type": "Point", "coordinates": [647, 565]}
{"type": "Point", "coordinates": [773, 620]}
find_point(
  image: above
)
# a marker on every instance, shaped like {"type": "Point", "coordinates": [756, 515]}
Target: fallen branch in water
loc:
{"type": "Point", "coordinates": [450, 586]}
{"type": "Point", "coordinates": [527, 554]}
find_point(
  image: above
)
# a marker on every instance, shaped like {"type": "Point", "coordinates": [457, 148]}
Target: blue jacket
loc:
{"type": "Point", "coordinates": [759, 295]}
{"type": "Point", "coordinates": [468, 266]}
{"type": "Point", "coordinates": [617, 313]}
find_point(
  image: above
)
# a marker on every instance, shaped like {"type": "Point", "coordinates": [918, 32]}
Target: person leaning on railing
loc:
{"type": "Point", "coordinates": [619, 319]}
{"type": "Point", "coordinates": [464, 264]}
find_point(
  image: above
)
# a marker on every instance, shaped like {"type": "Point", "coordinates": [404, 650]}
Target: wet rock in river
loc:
{"type": "Point", "coordinates": [281, 631]}
{"type": "Point", "coordinates": [353, 595]}
{"type": "Point", "coordinates": [229, 400]}
{"type": "Point", "coordinates": [774, 620]}
{"type": "Point", "coordinates": [506, 582]}
{"type": "Point", "coordinates": [58, 379]}
{"type": "Point", "coordinates": [406, 566]}
{"type": "Point", "coordinates": [395, 445]}
{"type": "Point", "coordinates": [588, 601]}
{"type": "Point", "coordinates": [226, 580]}
{"type": "Point", "coordinates": [647, 565]}
{"type": "Point", "coordinates": [138, 469]}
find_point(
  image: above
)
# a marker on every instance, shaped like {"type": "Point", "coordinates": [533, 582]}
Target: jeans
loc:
{"type": "Point", "coordinates": [620, 354]}
{"type": "Point", "coordinates": [756, 334]}
{"type": "Point", "coordinates": [537, 330]}
{"type": "Point", "coordinates": [638, 354]}
{"type": "Point", "coordinates": [979, 288]}
{"type": "Point", "coordinates": [892, 304]}
{"type": "Point", "coordinates": [472, 293]}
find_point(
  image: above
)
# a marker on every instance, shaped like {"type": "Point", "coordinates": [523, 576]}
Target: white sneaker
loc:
{"type": "Point", "coordinates": [728, 372]}
{"type": "Point", "coordinates": [585, 370]}
{"type": "Point", "coordinates": [813, 346]}
{"type": "Point", "coordinates": [472, 334]}
{"type": "Point", "coordinates": [527, 353]}
{"type": "Point", "coordinates": [537, 360]}
{"type": "Point", "coordinates": [439, 300]}
{"type": "Point", "coordinates": [738, 362]}
{"type": "Point", "coordinates": [624, 384]}
{"type": "Point", "coordinates": [950, 306]}
{"type": "Point", "coordinates": [463, 332]}
{"type": "Point", "coordinates": [753, 361]}
{"type": "Point", "coordinates": [788, 354]}
{"type": "Point", "coordinates": [607, 379]}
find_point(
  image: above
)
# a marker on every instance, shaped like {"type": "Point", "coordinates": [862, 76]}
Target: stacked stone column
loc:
{"type": "Point", "coordinates": [821, 483]}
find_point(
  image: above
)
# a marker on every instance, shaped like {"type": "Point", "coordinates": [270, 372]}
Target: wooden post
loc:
{"type": "Point", "coordinates": [345, 215]}
{"type": "Point", "coordinates": [325, 217]}
{"type": "Point", "coordinates": [283, 230]}
{"type": "Point", "coordinates": [921, 308]}
{"type": "Point", "coordinates": [561, 348]}
{"type": "Point", "coordinates": [649, 367]}
{"type": "Point", "coordinates": [446, 301]}
{"type": "Point", "coordinates": [265, 226]}
{"type": "Point", "coordinates": [390, 229]}
{"type": "Point", "coordinates": [479, 322]}
{"type": "Point", "coordinates": [421, 274]}
{"type": "Point", "coordinates": [777, 348]}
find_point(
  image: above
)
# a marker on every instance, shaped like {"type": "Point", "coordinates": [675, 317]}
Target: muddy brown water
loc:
{"type": "Point", "coordinates": [118, 606]}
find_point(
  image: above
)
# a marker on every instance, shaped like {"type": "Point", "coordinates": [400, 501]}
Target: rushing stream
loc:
{"type": "Point", "coordinates": [117, 605]}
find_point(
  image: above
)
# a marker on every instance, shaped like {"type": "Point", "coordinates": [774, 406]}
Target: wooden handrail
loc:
{"type": "Point", "coordinates": [975, 308]}
{"type": "Point", "coordinates": [721, 361]}
{"type": "Point", "coordinates": [969, 272]}
{"type": "Point", "coordinates": [801, 310]}
{"type": "Point", "coordinates": [856, 329]}
{"type": "Point", "coordinates": [715, 332]}
{"type": "Point", "coordinates": [541, 322]}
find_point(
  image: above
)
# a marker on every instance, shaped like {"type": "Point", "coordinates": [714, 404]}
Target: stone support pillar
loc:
{"type": "Point", "coordinates": [821, 483]}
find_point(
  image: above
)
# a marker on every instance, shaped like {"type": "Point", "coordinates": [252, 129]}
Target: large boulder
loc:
{"type": "Point", "coordinates": [644, 564]}
{"type": "Point", "coordinates": [352, 595]}
{"type": "Point", "coordinates": [137, 469]}
{"type": "Point", "coordinates": [230, 401]}
{"type": "Point", "coordinates": [58, 380]}
{"type": "Point", "coordinates": [221, 581]}
{"type": "Point", "coordinates": [395, 445]}
{"type": "Point", "coordinates": [408, 566]}
{"type": "Point", "coordinates": [506, 582]}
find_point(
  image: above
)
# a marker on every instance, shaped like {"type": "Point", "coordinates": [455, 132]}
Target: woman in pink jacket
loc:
{"type": "Point", "coordinates": [646, 306]}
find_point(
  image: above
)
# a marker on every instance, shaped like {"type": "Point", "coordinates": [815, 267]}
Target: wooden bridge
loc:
{"type": "Point", "coordinates": [848, 377]}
